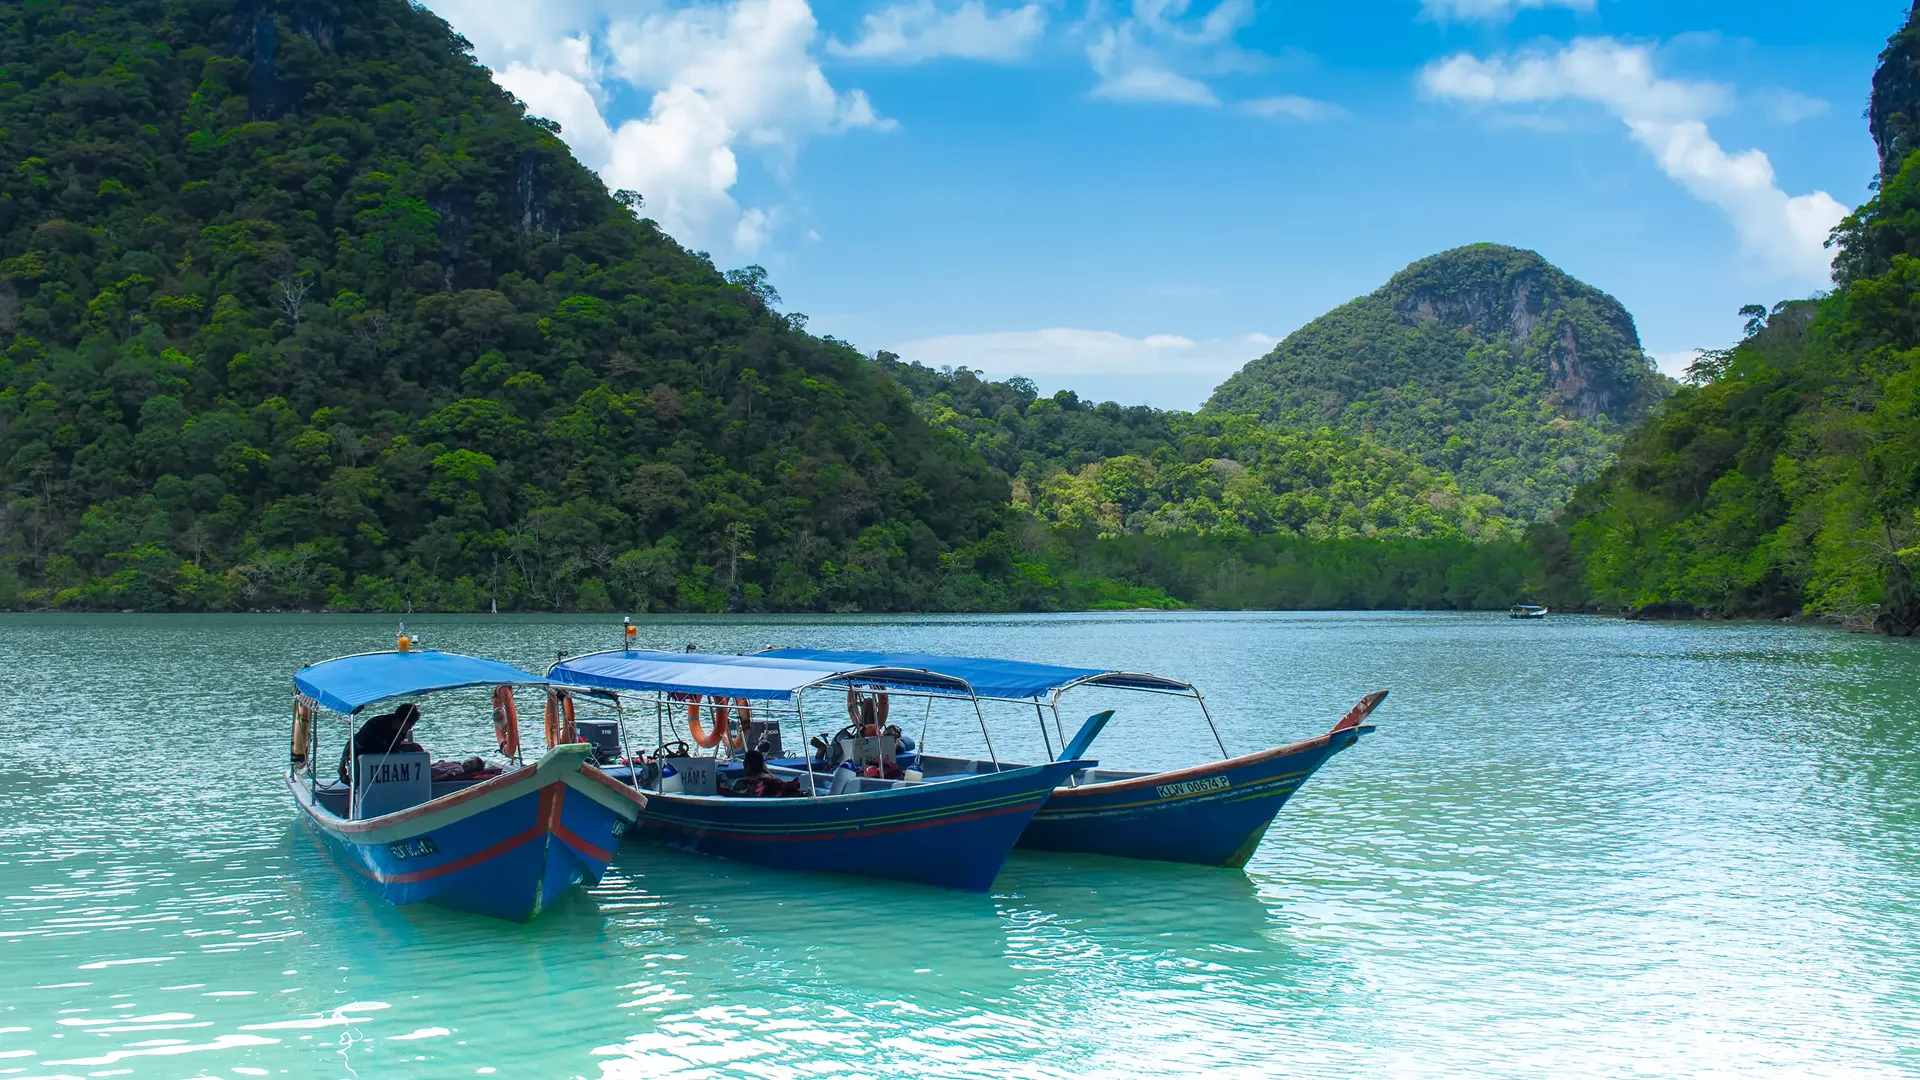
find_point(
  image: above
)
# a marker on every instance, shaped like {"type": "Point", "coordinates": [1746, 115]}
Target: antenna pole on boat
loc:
{"type": "Point", "coordinates": [1211, 726]}
{"type": "Point", "coordinates": [924, 721]}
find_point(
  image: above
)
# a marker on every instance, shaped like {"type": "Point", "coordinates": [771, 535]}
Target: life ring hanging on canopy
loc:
{"type": "Point", "coordinates": [559, 718]}
{"type": "Point", "coordinates": [722, 716]}
{"type": "Point", "coordinates": [302, 727]}
{"type": "Point", "coordinates": [506, 721]}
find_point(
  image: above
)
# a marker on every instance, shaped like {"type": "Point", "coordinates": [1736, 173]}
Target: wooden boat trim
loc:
{"type": "Point", "coordinates": [557, 766]}
{"type": "Point", "coordinates": [595, 784]}
{"type": "Point", "coordinates": [1194, 772]}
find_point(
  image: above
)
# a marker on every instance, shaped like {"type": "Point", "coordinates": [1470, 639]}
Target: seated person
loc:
{"type": "Point", "coordinates": [757, 783]}
{"type": "Point", "coordinates": [388, 733]}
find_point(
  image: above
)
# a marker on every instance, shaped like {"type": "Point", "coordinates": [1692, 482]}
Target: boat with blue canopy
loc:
{"type": "Point", "coordinates": [867, 803]}
{"type": "Point", "coordinates": [501, 837]}
{"type": "Point", "coordinates": [1214, 813]}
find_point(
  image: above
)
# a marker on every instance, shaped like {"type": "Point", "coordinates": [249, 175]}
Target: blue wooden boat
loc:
{"type": "Point", "coordinates": [503, 841]}
{"type": "Point", "coordinates": [952, 826]}
{"type": "Point", "coordinates": [1214, 814]}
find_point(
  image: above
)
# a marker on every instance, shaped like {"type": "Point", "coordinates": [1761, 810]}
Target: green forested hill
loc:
{"type": "Point", "coordinates": [1138, 471]}
{"type": "Point", "coordinates": [1486, 362]}
{"type": "Point", "coordinates": [1788, 478]}
{"type": "Point", "coordinates": [297, 308]}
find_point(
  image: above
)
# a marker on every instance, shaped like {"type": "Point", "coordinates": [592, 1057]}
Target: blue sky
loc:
{"type": "Point", "coordinates": [1133, 199]}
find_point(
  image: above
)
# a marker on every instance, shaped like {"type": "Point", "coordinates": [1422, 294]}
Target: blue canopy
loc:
{"type": "Point", "coordinates": [988, 677]}
{"type": "Point", "coordinates": [351, 682]}
{"type": "Point", "coordinates": [760, 677]}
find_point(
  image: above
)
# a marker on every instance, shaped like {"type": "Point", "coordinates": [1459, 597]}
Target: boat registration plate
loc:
{"type": "Point", "coordinates": [413, 849]}
{"type": "Point", "coordinates": [1191, 787]}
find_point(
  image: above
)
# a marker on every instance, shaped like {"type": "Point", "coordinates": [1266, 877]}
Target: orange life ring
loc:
{"type": "Point", "coordinates": [506, 721]}
{"type": "Point", "coordinates": [559, 718]}
{"type": "Point", "coordinates": [721, 715]}
{"type": "Point", "coordinates": [302, 727]}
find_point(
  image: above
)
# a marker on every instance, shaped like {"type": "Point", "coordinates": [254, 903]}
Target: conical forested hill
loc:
{"type": "Point", "coordinates": [297, 307]}
{"type": "Point", "coordinates": [1485, 361]}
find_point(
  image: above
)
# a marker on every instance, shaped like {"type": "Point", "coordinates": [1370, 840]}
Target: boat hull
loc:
{"type": "Point", "coordinates": [1214, 815]}
{"type": "Point", "coordinates": [955, 833]}
{"type": "Point", "coordinates": [507, 847]}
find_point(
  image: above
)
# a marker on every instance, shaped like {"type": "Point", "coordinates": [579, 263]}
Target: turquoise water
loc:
{"type": "Point", "coordinates": [1573, 847]}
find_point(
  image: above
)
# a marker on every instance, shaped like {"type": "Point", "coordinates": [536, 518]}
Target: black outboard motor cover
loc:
{"type": "Point", "coordinates": [603, 736]}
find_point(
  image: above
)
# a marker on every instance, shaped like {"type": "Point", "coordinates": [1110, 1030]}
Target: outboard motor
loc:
{"type": "Point", "coordinates": [603, 736]}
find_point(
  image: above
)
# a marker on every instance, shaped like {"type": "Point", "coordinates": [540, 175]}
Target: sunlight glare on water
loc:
{"type": "Point", "coordinates": [1573, 847]}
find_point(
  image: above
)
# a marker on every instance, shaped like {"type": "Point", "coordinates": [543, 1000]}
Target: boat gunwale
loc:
{"type": "Point", "coordinates": [490, 793]}
{"type": "Point", "coordinates": [1193, 772]}
{"type": "Point", "coordinates": [851, 797]}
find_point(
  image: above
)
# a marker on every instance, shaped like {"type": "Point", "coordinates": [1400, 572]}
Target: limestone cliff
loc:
{"type": "Point", "coordinates": [1485, 360]}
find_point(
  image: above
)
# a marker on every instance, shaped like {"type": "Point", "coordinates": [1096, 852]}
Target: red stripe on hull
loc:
{"type": "Point", "coordinates": [724, 834]}
{"type": "Point", "coordinates": [549, 797]}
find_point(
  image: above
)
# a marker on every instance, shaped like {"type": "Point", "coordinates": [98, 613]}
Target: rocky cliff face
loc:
{"type": "Point", "coordinates": [1893, 112]}
{"type": "Point", "coordinates": [1594, 364]}
{"type": "Point", "coordinates": [1485, 360]}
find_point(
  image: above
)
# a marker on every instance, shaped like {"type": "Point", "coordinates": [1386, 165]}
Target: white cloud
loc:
{"type": "Point", "coordinates": [1668, 118]}
{"type": "Point", "coordinates": [1493, 10]}
{"type": "Point", "coordinates": [1294, 107]}
{"type": "Point", "coordinates": [918, 30]}
{"type": "Point", "coordinates": [721, 75]}
{"type": "Point", "coordinates": [1154, 84]}
{"type": "Point", "coordinates": [1791, 107]}
{"type": "Point", "coordinates": [1067, 351]}
{"type": "Point", "coordinates": [1157, 51]}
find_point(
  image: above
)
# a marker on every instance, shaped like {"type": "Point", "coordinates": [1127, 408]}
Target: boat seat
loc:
{"type": "Point", "coordinates": [332, 797]}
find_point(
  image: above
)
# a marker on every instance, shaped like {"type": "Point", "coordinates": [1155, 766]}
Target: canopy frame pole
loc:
{"type": "Point", "coordinates": [1040, 714]}
{"type": "Point", "coordinates": [353, 772]}
{"type": "Point", "coordinates": [313, 754]}
{"type": "Point", "coordinates": [806, 748]}
{"type": "Point", "coordinates": [925, 719]}
{"type": "Point", "coordinates": [983, 733]}
{"type": "Point", "coordinates": [1211, 726]}
{"type": "Point", "coordinates": [626, 748]}
{"type": "Point", "coordinates": [660, 742]}
{"type": "Point", "coordinates": [1057, 729]}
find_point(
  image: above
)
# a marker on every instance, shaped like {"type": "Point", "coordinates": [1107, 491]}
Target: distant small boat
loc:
{"type": "Point", "coordinates": [504, 842]}
{"type": "Point", "coordinates": [1214, 814]}
{"type": "Point", "coordinates": [1526, 611]}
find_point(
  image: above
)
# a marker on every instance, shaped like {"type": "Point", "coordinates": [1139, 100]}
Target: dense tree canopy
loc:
{"type": "Point", "coordinates": [297, 307]}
